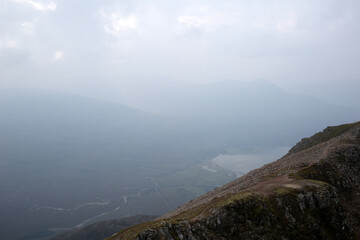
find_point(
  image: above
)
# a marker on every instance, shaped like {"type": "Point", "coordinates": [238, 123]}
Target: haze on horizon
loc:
{"type": "Point", "coordinates": [108, 49]}
{"type": "Point", "coordinates": [208, 90]}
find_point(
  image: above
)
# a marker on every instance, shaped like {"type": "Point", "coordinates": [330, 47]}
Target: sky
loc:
{"type": "Point", "coordinates": [99, 48]}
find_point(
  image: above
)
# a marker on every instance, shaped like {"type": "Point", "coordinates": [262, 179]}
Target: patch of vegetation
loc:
{"type": "Point", "coordinates": [189, 214]}
{"type": "Point", "coordinates": [320, 137]}
{"type": "Point", "coordinates": [305, 173]}
{"type": "Point", "coordinates": [216, 203]}
{"type": "Point", "coordinates": [311, 175]}
{"type": "Point", "coordinates": [226, 200]}
{"type": "Point", "coordinates": [284, 190]}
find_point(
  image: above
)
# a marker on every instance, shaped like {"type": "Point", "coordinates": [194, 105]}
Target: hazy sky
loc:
{"type": "Point", "coordinates": [101, 46]}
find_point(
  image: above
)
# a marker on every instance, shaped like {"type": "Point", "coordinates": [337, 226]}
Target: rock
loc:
{"type": "Point", "coordinates": [301, 201]}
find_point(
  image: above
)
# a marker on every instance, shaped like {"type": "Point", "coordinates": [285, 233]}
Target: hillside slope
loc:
{"type": "Point", "coordinates": [100, 230]}
{"type": "Point", "coordinates": [311, 193]}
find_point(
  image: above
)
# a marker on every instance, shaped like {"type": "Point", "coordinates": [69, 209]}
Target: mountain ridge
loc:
{"type": "Point", "coordinates": [312, 193]}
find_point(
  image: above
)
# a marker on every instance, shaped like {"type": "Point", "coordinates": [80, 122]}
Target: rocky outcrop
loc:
{"type": "Point", "coordinates": [309, 213]}
{"type": "Point", "coordinates": [311, 193]}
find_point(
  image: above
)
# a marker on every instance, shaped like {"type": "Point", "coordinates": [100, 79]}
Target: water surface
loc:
{"type": "Point", "coordinates": [244, 163]}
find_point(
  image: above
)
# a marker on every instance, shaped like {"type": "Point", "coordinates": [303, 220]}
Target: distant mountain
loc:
{"type": "Point", "coordinates": [212, 117]}
{"type": "Point", "coordinates": [45, 123]}
{"type": "Point", "coordinates": [242, 113]}
{"type": "Point", "coordinates": [311, 193]}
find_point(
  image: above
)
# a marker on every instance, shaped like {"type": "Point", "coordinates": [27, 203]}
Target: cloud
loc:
{"type": "Point", "coordinates": [28, 28]}
{"type": "Point", "coordinates": [58, 55]}
{"type": "Point", "coordinates": [187, 40]}
{"type": "Point", "coordinates": [8, 43]}
{"type": "Point", "coordinates": [38, 6]}
{"type": "Point", "coordinates": [288, 24]}
{"type": "Point", "coordinates": [194, 22]}
{"type": "Point", "coordinates": [120, 26]}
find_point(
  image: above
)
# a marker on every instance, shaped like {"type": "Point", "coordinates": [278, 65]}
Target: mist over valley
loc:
{"type": "Point", "coordinates": [69, 161]}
